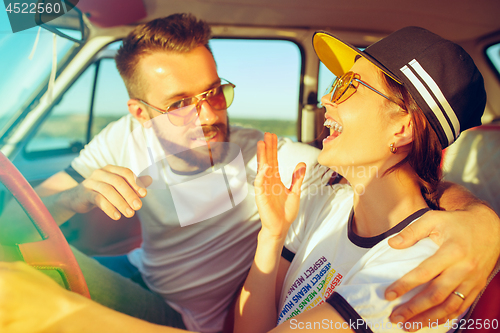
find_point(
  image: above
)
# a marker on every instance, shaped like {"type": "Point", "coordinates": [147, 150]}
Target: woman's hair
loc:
{"type": "Point", "coordinates": [425, 151]}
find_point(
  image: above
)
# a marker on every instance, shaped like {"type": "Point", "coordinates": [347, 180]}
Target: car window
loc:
{"type": "Point", "coordinates": [111, 96]}
{"type": "Point", "coordinates": [266, 74]}
{"type": "Point", "coordinates": [81, 113]}
{"type": "Point", "coordinates": [65, 128]}
{"type": "Point", "coordinates": [493, 54]}
{"type": "Point", "coordinates": [267, 78]}
{"type": "Point", "coordinates": [25, 69]}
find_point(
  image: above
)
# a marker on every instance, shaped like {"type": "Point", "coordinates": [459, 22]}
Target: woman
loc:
{"type": "Point", "coordinates": [355, 115]}
{"type": "Point", "coordinates": [391, 111]}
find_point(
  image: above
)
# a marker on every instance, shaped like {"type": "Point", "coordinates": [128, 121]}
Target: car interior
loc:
{"type": "Point", "coordinates": [62, 88]}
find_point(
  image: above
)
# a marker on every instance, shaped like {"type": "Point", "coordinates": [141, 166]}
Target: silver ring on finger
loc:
{"type": "Point", "coordinates": [459, 294]}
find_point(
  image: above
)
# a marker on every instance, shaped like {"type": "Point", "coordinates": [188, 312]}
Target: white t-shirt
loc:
{"type": "Point", "coordinates": [330, 258]}
{"type": "Point", "coordinates": [196, 267]}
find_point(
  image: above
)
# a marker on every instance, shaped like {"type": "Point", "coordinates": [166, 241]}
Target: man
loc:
{"type": "Point", "coordinates": [174, 137]}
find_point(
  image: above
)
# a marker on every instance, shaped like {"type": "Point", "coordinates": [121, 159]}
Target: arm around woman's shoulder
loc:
{"type": "Point", "coordinates": [468, 236]}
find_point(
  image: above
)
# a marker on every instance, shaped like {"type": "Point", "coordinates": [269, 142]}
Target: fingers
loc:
{"type": "Point", "coordinates": [116, 191]}
{"type": "Point", "coordinates": [129, 176]}
{"type": "Point", "coordinates": [268, 140]}
{"type": "Point", "coordinates": [274, 150]}
{"type": "Point", "coordinates": [448, 258]}
{"type": "Point", "coordinates": [259, 182]}
{"type": "Point", "coordinates": [297, 178]}
{"type": "Point", "coordinates": [144, 181]}
{"type": "Point", "coordinates": [268, 148]}
{"type": "Point", "coordinates": [99, 200]}
{"type": "Point", "coordinates": [423, 273]}
{"type": "Point", "coordinates": [418, 230]}
{"type": "Point", "coordinates": [268, 176]}
{"type": "Point", "coordinates": [450, 309]}
{"type": "Point", "coordinates": [465, 304]}
{"type": "Point", "coordinates": [271, 141]}
{"type": "Point", "coordinates": [261, 155]}
{"type": "Point", "coordinates": [262, 168]}
{"type": "Point", "coordinates": [267, 153]}
{"type": "Point", "coordinates": [438, 301]}
{"type": "Point", "coordinates": [452, 268]}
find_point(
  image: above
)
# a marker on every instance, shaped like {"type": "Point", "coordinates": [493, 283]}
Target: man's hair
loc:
{"type": "Point", "coordinates": [176, 33]}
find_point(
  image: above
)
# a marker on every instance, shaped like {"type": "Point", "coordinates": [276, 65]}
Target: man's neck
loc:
{"type": "Point", "coordinates": [181, 167]}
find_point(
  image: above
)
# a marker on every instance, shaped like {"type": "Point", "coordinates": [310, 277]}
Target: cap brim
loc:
{"type": "Point", "coordinates": [339, 56]}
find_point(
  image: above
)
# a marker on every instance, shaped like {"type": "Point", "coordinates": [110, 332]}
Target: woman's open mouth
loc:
{"type": "Point", "coordinates": [335, 129]}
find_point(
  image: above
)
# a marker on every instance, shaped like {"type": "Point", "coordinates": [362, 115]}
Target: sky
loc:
{"type": "Point", "coordinates": [266, 74]}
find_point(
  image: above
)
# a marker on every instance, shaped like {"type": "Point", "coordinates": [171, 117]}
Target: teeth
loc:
{"type": "Point", "coordinates": [208, 136]}
{"type": "Point", "coordinates": [330, 123]}
{"type": "Point", "coordinates": [211, 135]}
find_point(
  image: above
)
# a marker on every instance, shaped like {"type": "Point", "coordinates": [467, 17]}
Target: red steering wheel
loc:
{"type": "Point", "coordinates": [53, 252]}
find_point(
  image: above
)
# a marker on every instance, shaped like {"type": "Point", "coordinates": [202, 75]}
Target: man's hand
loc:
{"type": "Point", "coordinates": [115, 190]}
{"type": "Point", "coordinates": [469, 248]}
{"type": "Point", "coordinates": [32, 302]}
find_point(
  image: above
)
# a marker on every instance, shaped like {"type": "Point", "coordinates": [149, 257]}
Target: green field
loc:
{"type": "Point", "coordinates": [283, 128]}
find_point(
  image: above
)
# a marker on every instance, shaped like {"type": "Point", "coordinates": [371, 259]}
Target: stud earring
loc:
{"type": "Point", "coordinates": [392, 148]}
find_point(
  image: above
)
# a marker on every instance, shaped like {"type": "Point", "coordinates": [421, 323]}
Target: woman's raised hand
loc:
{"type": "Point", "coordinates": [278, 206]}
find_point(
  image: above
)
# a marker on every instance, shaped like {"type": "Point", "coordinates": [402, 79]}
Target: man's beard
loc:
{"type": "Point", "coordinates": [202, 157]}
